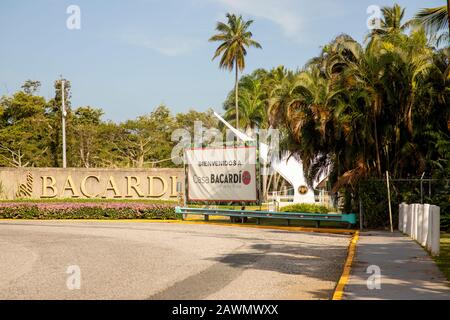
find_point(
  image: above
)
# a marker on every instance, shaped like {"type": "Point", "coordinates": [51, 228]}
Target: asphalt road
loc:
{"type": "Point", "coordinates": [142, 260]}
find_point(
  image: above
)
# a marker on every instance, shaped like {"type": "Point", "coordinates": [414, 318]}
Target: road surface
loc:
{"type": "Point", "coordinates": [145, 260]}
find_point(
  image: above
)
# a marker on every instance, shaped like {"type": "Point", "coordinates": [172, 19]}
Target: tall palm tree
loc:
{"type": "Point", "coordinates": [251, 105]}
{"type": "Point", "coordinates": [392, 21]}
{"type": "Point", "coordinates": [436, 19]}
{"type": "Point", "coordinates": [235, 38]}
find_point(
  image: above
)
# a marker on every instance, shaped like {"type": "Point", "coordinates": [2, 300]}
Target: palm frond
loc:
{"type": "Point", "coordinates": [434, 19]}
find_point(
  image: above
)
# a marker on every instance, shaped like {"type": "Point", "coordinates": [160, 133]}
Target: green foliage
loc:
{"type": "Point", "coordinates": [252, 102]}
{"type": "Point", "coordinates": [49, 212]}
{"type": "Point", "coordinates": [235, 38]}
{"type": "Point", "coordinates": [375, 205]}
{"type": "Point", "coordinates": [357, 111]}
{"type": "Point", "coordinates": [306, 208]}
{"type": "Point", "coordinates": [436, 21]}
{"type": "Point", "coordinates": [30, 133]}
{"type": "Point", "coordinates": [445, 223]}
{"type": "Point", "coordinates": [443, 260]}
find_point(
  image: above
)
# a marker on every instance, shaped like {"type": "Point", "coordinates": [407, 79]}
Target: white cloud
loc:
{"type": "Point", "coordinates": [168, 45]}
{"type": "Point", "coordinates": [281, 12]}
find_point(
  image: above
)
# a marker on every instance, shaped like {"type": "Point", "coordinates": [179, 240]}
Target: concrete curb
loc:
{"type": "Point", "coordinates": [339, 290]}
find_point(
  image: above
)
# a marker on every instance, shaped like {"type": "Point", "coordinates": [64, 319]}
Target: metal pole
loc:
{"type": "Point", "coordinates": [63, 126]}
{"type": "Point", "coordinates": [360, 214]}
{"type": "Point", "coordinates": [421, 188]}
{"type": "Point", "coordinates": [389, 198]}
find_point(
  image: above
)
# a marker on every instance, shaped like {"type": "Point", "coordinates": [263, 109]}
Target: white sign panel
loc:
{"type": "Point", "coordinates": [222, 174]}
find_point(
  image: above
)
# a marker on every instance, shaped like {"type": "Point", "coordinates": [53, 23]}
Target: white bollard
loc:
{"type": "Point", "coordinates": [415, 212]}
{"type": "Point", "coordinates": [425, 225]}
{"type": "Point", "coordinates": [401, 209]}
{"type": "Point", "coordinates": [422, 223]}
{"type": "Point", "coordinates": [413, 208]}
{"type": "Point", "coordinates": [417, 222]}
{"type": "Point", "coordinates": [420, 209]}
{"type": "Point", "coordinates": [435, 230]}
{"type": "Point", "coordinates": [408, 214]}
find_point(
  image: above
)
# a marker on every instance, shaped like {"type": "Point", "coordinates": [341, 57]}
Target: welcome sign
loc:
{"type": "Point", "coordinates": [221, 174]}
{"type": "Point", "coordinates": [48, 183]}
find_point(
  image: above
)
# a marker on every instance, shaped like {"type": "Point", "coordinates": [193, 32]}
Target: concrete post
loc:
{"type": "Point", "coordinates": [419, 236]}
{"type": "Point", "coordinates": [408, 214]}
{"type": "Point", "coordinates": [425, 225]}
{"type": "Point", "coordinates": [435, 230]}
{"type": "Point", "coordinates": [403, 218]}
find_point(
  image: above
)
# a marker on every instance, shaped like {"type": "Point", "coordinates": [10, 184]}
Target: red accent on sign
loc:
{"type": "Point", "coordinates": [246, 177]}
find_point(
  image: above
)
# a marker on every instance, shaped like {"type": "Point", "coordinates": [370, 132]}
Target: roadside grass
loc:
{"type": "Point", "coordinates": [443, 260]}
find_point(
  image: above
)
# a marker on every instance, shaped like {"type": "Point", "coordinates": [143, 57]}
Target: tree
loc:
{"type": "Point", "coordinates": [235, 38]}
{"type": "Point", "coordinates": [186, 120]}
{"type": "Point", "coordinates": [357, 111]}
{"type": "Point", "coordinates": [435, 20]}
{"type": "Point", "coordinates": [23, 130]}
{"type": "Point", "coordinates": [252, 102]}
{"type": "Point", "coordinates": [146, 141]}
{"type": "Point", "coordinates": [31, 87]}
{"type": "Point", "coordinates": [86, 121]}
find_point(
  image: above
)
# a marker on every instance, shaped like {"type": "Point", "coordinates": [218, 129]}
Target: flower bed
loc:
{"type": "Point", "coordinates": [80, 210]}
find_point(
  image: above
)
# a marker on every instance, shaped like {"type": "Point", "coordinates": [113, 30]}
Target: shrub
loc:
{"type": "Point", "coordinates": [111, 211]}
{"type": "Point", "coordinates": [306, 208]}
{"type": "Point", "coordinates": [445, 223]}
{"type": "Point", "coordinates": [375, 205]}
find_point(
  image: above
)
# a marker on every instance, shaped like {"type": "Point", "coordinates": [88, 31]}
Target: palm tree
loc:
{"type": "Point", "coordinates": [435, 19]}
{"type": "Point", "coordinates": [235, 38]}
{"type": "Point", "coordinates": [392, 21]}
{"type": "Point", "coordinates": [251, 105]}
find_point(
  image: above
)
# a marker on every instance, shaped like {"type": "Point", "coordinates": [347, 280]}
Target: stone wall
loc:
{"type": "Point", "coordinates": [47, 183]}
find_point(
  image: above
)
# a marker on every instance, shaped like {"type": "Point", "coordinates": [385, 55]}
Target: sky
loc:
{"type": "Point", "coordinates": [129, 56]}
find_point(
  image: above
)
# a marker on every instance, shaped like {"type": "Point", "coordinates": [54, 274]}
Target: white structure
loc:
{"type": "Point", "coordinates": [288, 167]}
{"type": "Point", "coordinates": [422, 223]}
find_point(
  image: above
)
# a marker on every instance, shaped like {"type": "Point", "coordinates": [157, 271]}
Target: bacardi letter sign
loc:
{"type": "Point", "coordinates": [221, 174]}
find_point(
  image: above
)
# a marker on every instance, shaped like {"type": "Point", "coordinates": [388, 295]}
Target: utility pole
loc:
{"type": "Point", "coordinates": [64, 113]}
{"type": "Point", "coordinates": [389, 199]}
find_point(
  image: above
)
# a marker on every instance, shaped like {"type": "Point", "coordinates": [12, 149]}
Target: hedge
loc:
{"type": "Point", "coordinates": [306, 208]}
{"type": "Point", "coordinates": [47, 211]}
{"type": "Point", "coordinates": [375, 204]}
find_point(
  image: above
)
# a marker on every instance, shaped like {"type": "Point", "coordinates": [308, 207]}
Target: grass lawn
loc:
{"type": "Point", "coordinates": [443, 261]}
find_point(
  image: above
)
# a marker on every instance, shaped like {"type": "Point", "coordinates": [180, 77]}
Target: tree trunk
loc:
{"type": "Point", "coordinates": [236, 92]}
{"type": "Point", "coordinates": [377, 149]}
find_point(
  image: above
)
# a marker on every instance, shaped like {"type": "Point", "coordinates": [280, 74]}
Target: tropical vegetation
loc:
{"type": "Point", "coordinates": [436, 21]}
{"type": "Point", "coordinates": [235, 39]}
{"type": "Point", "coordinates": [357, 111]}
{"type": "Point", "coordinates": [87, 210]}
{"type": "Point", "coordinates": [30, 133]}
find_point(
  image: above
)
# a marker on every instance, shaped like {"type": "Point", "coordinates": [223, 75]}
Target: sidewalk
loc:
{"type": "Point", "coordinates": [407, 271]}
